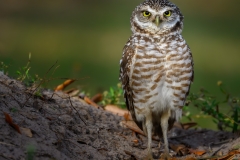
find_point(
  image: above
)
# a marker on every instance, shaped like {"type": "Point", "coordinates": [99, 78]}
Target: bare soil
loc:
{"type": "Point", "coordinates": [63, 128]}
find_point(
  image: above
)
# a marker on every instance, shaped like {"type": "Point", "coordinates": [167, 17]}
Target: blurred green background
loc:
{"type": "Point", "coordinates": [87, 37]}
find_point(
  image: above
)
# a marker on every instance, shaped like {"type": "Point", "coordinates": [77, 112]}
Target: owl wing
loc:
{"type": "Point", "coordinates": [192, 77]}
{"type": "Point", "coordinates": [128, 52]}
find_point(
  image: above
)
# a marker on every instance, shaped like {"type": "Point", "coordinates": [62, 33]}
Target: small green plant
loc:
{"type": "Point", "coordinates": [13, 109]}
{"type": "Point", "coordinates": [24, 76]}
{"type": "Point", "coordinates": [3, 67]}
{"type": "Point", "coordinates": [208, 104]}
{"type": "Point", "coordinates": [38, 93]}
{"type": "Point", "coordinates": [203, 100]}
{"type": "Point", "coordinates": [187, 113]}
{"type": "Point", "coordinates": [114, 96]}
{"type": "Point", "coordinates": [31, 149]}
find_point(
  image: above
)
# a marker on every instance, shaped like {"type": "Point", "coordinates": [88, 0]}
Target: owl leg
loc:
{"type": "Point", "coordinates": [148, 130]}
{"type": "Point", "coordinates": [164, 125]}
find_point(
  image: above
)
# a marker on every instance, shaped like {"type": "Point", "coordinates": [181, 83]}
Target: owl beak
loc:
{"type": "Point", "coordinates": [157, 21]}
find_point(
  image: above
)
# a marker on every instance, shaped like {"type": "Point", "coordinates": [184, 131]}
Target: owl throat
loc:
{"type": "Point", "coordinates": [171, 28]}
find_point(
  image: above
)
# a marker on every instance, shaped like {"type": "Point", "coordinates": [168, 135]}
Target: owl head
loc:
{"type": "Point", "coordinates": [157, 17]}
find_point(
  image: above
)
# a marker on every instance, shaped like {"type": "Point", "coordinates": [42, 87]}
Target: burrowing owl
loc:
{"type": "Point", "coordinates": [156, 69]}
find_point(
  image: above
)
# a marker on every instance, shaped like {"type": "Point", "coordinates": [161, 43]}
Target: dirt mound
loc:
{"type": "Point", "coordinates": [54, 126]}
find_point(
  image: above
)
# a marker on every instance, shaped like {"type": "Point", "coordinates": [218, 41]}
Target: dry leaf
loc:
{"type": "Point", "coordinates": [127, 116]}
{"type": "Point", "coordinates": [135, 141]}
{"type": "Point", "coordinates": [116, 110]}
{"type": "Point", "coordinates": [64, 85]}
{"type": "Point", "coordinates": [197, 152]}
{"type": "Point", "coordinates": [177, 148]}
{"type": "Point", "coordinates": [72, 92]}
{"type": "Point", "coordinates": [184, 152]}
{"type": "Point", "coordinates": [230, 155]}
{"type": "Point", "coordinates": [88, 101]}
{"type": "Point", "coordinates": [131, 125]}
{"type": "Point", "coordinates": [26, 131]}
{"type": "Point", "coordinates": [226, 157]}
{"type": "Point", "coordinates": [235, 152]}
{"type": "Point", "coordinates": [8, 119]}
{"type": "Point", "coordinates": [97, 98]}
{"type": "Point", "coordinates": [188, 125]}
{"type": "Point", "coordinates": [59, 87]}
{"type": "Point", "coordinates": [177, 125]}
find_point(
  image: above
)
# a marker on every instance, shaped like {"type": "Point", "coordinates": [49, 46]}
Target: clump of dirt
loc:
{"type": "Point", "coordinates": [64, 128]}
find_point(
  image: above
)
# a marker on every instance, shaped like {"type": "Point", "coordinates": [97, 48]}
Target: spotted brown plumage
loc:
{"type": "Point", "coordinates": [156, 69]}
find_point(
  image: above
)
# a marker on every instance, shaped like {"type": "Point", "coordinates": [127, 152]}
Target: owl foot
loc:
{"type": "Point", "coordinates": [148, 157]}
{"type": "Point", "coordinates": [165, 156]}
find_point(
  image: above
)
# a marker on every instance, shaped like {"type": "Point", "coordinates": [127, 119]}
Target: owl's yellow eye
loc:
{"type": "Point", "coordinates": [146, 14]}
{"type": "Point", "coordinates": [167, 13]}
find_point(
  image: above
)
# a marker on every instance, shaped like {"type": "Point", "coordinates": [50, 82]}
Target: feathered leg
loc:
{"type": "Point", "coordinates": [148, 130]}
{"type": "Point", "coordinates": [164, 124]}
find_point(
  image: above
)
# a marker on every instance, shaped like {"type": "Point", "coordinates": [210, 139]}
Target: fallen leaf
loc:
{"type": "Point", "coordinates": [235, 151]}
{"type": "Point", "coordinates": [8, 119]}
{"type": "Point", "coordinates": [127, 116]}
{"type": "Point", "coordinates": [72, 92]}
{"type": "Point", "coordinates": [135, 141]}
{"type": "Point", "coordinates": [177, 148]}
{"type": "Point", "coordinates": [64, 85]}
{"type": "Point", "coordinates": [116, 110]}
{"type": "Point", "coordinates": [183, 152]}
{"type": "Point", "coordinates": [197, 152]}
{"type": "Point", "coordinates": [131, 125]}
{"type": "Point", "coordinates": [226, 157]}
{"type": "Point", "coordinates": [89, 101]}
{"type": "Point", "coordinates": [188, 125]}
{"type": "Point", "coordinates": [26, 131]}
{"type": "Point", "coordinates": [177, 125]}
{"type": "Point", "coordinates": [97, 98]}
{"type": "Point", "coordinates": [81, 100]}
{"type": "Point", "coordinates": [16, 127]}
{"type": "Point", "coordinates": [229, 156]}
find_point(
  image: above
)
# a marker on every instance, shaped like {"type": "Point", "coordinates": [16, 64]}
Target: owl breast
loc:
{"type": "Point", "coordinates": [160, 75]}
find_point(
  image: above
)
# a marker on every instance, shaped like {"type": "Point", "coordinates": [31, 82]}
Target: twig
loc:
{"type": "Point", "coordinates": [6, 144]}
{"type": "Point", "coordinates": [16, 100]}
{"type": "Point", "coordinates": [72, 143]}
{"type": "Point", "coordinates": [76, 111]}
{"type": "Point", "coordinates": [219, 143]}
{"type": "Point", "coordinates": [215, 151]}
{"type": "Point", "coordinates": [69, 98]}
{"type": "Point", "coordinates": [176, 137]}
{"type": "Point", "coordinates": [131, 154]}
{"type": "Point", "coordinates": [41, 82]}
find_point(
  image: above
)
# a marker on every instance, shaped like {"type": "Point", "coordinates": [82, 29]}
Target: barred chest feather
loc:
{"type": "Point", "coordinates": [160, 74]}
